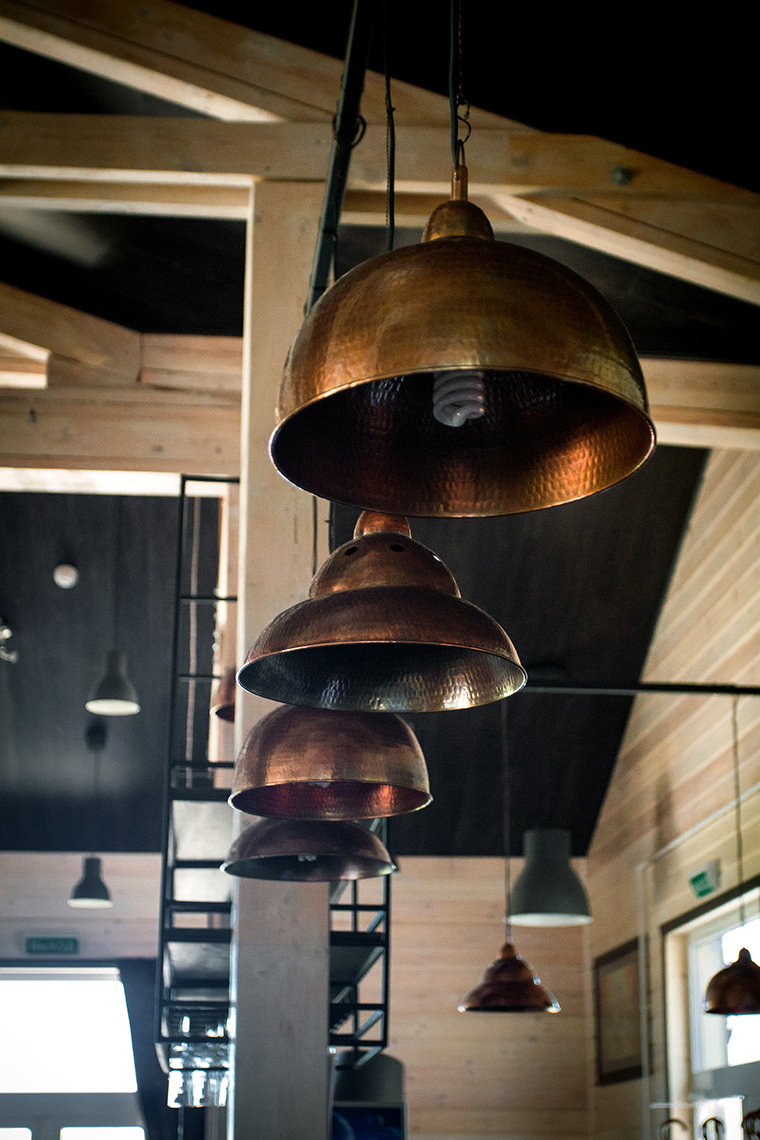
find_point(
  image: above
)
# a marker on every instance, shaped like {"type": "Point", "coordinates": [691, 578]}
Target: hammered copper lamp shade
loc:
{"type": "Point", "coordinates": [383, 629]}
{"type": "Point", "coordinates": [565, 410]}
{"type": "Point", "coordinates": [509, 986]}
{"type": "Point", "coordinates": [307, 851]}
{"type": "Point", "coordinates": [736, 988]}
{"type": "Point", "coordinates": [302, 763]}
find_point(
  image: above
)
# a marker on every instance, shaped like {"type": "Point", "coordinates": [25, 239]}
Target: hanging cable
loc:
{"type": "Point", "coordinates": [507, 830]}
{"type": "Point", "coordinates": [390, 143]}
{"type": "Point", "coordinates": [738, 801]}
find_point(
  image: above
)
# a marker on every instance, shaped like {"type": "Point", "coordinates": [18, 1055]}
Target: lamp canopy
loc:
{"type": "Point", "coordinates": [736, 988]}
{"type": "Point", "coordinates": [563, 410]}
{"type": "Point", "coordinates": [510, 986]}
{"type": "Point", "coordinates": [90, 893]}
{"type": "Point", "coordinates": [114, 694]}
{"type": "Point", "coordinates": [308, 851]}
{"type": "Point", "coordinates": [384, 628]}
{"type": "Point", "coordinates": [302, 763]}
{"type": "Point", "coordinates": [548, 892]}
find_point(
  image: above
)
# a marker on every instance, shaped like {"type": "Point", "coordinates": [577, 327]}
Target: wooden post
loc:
{"type": "Point", "coordinates": [280, 947]}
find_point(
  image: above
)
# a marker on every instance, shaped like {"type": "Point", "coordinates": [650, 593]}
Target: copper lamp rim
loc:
{"type": "Point", "coordinates": [238, 800]}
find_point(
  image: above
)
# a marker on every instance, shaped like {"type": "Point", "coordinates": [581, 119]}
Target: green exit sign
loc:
{"type": "Point", "coordinates": [52, 946]}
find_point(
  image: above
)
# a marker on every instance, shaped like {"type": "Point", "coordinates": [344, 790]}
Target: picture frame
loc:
{"type": "Point", "coordinates": [617, 1008]}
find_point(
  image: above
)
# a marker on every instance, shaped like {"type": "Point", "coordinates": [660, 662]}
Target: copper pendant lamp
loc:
{"type": "Point", "coordinates": [736, 988]}
{"type": "Point", "coordinates": [302, 763]}
{"type": "Point", "coordinates": [509, 986]}
{"type": "Point", "coordinates": [384, 628]}
{"type": "Point", "coordinates": [307, 851]}
{"type": "Point", "coordinates": [461, 376]}
{"type": "Point", "coordinates": [223, 700]}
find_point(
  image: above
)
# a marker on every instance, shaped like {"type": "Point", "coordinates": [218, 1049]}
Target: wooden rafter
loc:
{"type": "Point", "coordinates": [116, 399]}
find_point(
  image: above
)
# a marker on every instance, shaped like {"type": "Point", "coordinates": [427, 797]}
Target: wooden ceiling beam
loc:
{"type": "Point", "coordinates": [207, 64]}
{"type": "Point", "coordinates": [116, 148]}
{"type": "Point", "coordinates": [95, 343]}
{"type": "Point", "coordinates": [671, 246]}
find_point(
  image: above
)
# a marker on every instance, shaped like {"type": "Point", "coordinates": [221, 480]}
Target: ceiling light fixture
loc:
{"type": "Point", "coordinates": [307, 851]}
{"type": "Point", "coordinates": [223, 700]}
{"type": "Point", "coordinates": [301, 763]}
{"type": "Point", "coordinates": [509, 984]}
{"type": "Point", "coordinates": [114, 694]}
{"type": "Point", "coordinates": [461, 376]}
{"type": "Point", "coordinates": [548, 892]}
{"type": "Point", "coordinates": [384, 628]}
{"type": "Point", "coordinates": [90, 893]}
{"type": "Point", "coordinates": [736, 988]}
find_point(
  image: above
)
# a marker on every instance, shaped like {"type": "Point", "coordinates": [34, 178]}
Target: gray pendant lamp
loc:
{"type": "Point", "coordinates": [90, 893]}
{"type": "Point", "coordinates": [548, 892]}
{"type": "Point", "coordinates": [736, 988]}
{"type": "Point", "coordinates": [114, 694]}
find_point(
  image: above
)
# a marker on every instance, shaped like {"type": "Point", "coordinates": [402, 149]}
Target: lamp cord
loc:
{"type": "Point", "coordinates": [505, 822]}
{"type": "Point", "coordinates": [390, 143]}
{"type": "Point", "coordinates": [738, 802]}
{"type": "Point", "coordinates": [456, 94]}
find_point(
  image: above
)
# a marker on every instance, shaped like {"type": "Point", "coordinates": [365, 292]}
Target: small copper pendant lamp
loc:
{"type": "Point", "coordinates": [307, 851]}
{"type": "Point", "coordinates": [302, 763]}
{"type": "Point", "coordinates": [736, 988]}
{"type": "Point", "coordinates": [461, 376]}
{"type": "Point", "coordinates": [223, 700]}
{"type": "Point", "coordinates": [509, 986]}
{"type": "Point", "coordinates": [384, 628]}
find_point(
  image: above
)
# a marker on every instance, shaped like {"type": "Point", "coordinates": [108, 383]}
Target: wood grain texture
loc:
{"type": "Point", "coordinates": [669, 807]}
{"type": "Point", "coordinates": [472, 1075]}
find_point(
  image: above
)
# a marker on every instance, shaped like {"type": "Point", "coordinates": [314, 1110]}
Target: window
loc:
{"type": "Point", "coordinates": [70, 1032]}
{"type": "Point", "coordinates": [66, 1056]}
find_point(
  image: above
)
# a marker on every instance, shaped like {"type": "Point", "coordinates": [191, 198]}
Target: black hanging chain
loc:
{"type": "Point", "coordinates": [459, 108]}
{"type": "Point", "coordinates": [506, 805]}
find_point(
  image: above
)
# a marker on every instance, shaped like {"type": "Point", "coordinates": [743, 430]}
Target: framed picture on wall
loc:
{"type": "Point", "coordinates": [618, 1014]}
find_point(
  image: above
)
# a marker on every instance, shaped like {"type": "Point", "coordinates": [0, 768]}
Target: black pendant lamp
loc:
{"type": "Point", "coordinates": [736, 988]}
{"type": "Point", "coordinates": [548, 892]}
{"type": "Point", "coordinates": [114, 694]}
{"type": "Point", "coordinates": [509, 984]}
{"type": "Point", "coordinates": [461, 376]}
{"type": "Point", "coordinates": [90, 893]}
{"type": "Point", "coordinates": [307, 851]}
{"type": "Point", "coordinates": [384, 628]}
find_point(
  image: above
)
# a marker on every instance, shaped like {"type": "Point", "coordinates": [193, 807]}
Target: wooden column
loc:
{"type": "Point", "coordinates": [280, 948]}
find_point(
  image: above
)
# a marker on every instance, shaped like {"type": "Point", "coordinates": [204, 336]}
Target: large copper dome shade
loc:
{"type": "Point", "coordinates": [307, 851]}
{"type": "Point", "coordinates": [565, 406]}
{"type": "Point", "coordinates": [301, 763]}
{"type": "Point", "coordinates": [384, 629]}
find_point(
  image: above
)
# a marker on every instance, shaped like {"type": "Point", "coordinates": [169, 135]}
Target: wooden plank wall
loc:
{"type": "Point", "coordinates": [479, 1076]}
{"type": "Point", "coordinates": [674, 772]}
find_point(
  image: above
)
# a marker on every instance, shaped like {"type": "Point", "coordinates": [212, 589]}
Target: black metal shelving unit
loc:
{"type": "Point", "coordinates": [193, 977]}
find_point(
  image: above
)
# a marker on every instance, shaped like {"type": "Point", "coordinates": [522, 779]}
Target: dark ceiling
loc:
{"type": "Point", "coordinates": [577, 587]}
